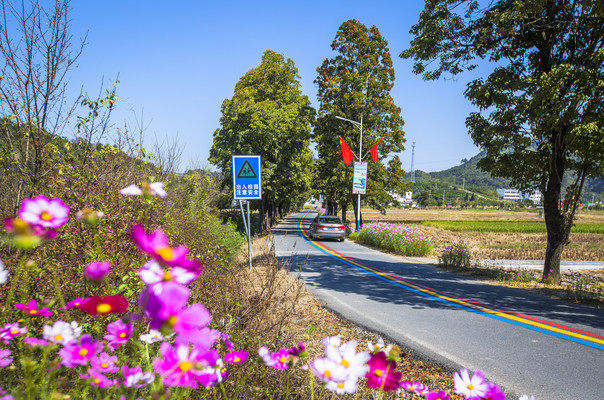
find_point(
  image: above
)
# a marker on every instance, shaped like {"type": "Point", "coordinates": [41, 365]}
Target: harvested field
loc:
{"type": "Point", "coordinates": [498, 245]}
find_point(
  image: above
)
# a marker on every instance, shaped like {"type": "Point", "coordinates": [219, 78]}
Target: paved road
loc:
{"type": "Point", "coordinates": [527, 344]}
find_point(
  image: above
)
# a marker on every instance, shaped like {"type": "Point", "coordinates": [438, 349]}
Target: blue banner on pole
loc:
{"type": "Point", "coordinates": [247, 177]}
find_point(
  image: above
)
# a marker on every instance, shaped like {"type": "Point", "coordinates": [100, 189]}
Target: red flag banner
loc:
{"type": "Point", "coordinates": [347, 154]}
{"type": "Point", "coordinates": [374, 151]}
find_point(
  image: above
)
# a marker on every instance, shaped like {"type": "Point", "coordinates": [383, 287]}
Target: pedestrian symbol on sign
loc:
{"type": "Point", "coordinates": [246, 171]}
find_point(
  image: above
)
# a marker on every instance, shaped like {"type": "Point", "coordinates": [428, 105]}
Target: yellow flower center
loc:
{"type": "Point", "coordinates": [341, 385]}
{"type": "Point", "coordinates": [236, 359]}
{"type": "Point", "coordinates": [123, 335]}
{"type": "Point", "coordinates": [45, 216]}
{"type": "Point", "coordinates": [327, 374]}
{"type": "Point", "coordinates": [58, 337]}
{"type": "Point", "coordinates": [470, 386]}
{"type": "Point", "coordinates": [83, 352]}
{"type": "Point", "coordinates": [283, 360]}
{"type": "Point", "coordinates": [97, 381]}
{"type": "Point", "coordinates": [172, 320]}
{"type": "Point", "coordinates": [378, 372]}
{"type": "Point", "coordinates": [167, 276]}
{"type": "Point", "coordinates": [14, 332]}
{"type": "Point", "coordinates": [103, 308]}
{"type": "Point", "coordinates": [166, 253]}
{"type": "Point", "coordinates": [345, 363]}
{"type": "Point", "coordinates": [33, 312]}
{"type": "Point", "coordinates": [185, 366]}
{"type": "Point", "coordinates": [104, 365]}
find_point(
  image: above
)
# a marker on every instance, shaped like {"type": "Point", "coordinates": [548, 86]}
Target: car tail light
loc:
{"type": "Point", "coordinates": [320, 226]}
{"type": "Point", "coordinates": [341, 227]}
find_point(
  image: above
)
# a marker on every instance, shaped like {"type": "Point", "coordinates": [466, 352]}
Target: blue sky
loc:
{"type": "Point", "coordinates": [177, 61]}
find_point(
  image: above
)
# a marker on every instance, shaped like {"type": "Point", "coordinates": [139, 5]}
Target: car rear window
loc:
{"type": "Point", "coordinates": [331, 220]}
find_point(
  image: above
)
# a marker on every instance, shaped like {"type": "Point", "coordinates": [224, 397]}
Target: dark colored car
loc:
{"type": "Point", "coordinates": [327, 227]}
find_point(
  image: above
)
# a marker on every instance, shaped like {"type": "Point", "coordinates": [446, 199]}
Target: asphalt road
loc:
{"type": "Point", "coordinates": [527, 344]}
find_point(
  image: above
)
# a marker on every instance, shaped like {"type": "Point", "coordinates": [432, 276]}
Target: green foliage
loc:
{"type": "Point", "coordinates": [457, 255]}
{"type": "Point", "coordinates": [268, 115]}
{"type": "Point", "coordinates": [400, 239]}
{"type": "Point", "coordinates": [541, 106]}
{"type": "Point", "coordinates": [355, 84]}
{"type": "Point", "coordinates": [509, 226]}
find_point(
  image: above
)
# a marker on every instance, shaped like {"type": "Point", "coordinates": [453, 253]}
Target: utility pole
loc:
{"type": "Point", "coordinates": [412, 159]}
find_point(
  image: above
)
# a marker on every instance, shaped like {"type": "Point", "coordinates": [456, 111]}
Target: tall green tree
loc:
{"type": "Point", "coordinates": [268, 115]}
{"type": "Point", "coordinates": [355, 84]}
{"type": "Point", "coordinates": [541, 107]}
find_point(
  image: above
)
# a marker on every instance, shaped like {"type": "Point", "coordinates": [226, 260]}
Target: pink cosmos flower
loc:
{"type": "Point", "coordinates": [135, 377]}
{"type": "Point", "coordinates": [415, 387]}
{"type": "Point", "coordinates": [10, 330]}
{"type": "Point", "coordinates": [185, 366]}
{"type": "Point", "coordinates": [79, 352]}
{"type": "Point", "coordinates": [4, 357]}
{"type": "Point", "coordinates": [118, 333]}
{"type": "Point", "coordinates": [75, 303]}
{"type": "Point", "coordinates": [153, 274]}
{"type": "Point", "coordinates": [96, 305]}
{"type": "Point", "coordinates": [440, 395]}
{"type": "Point", "coordinates": [157, 246]}
{"type": "Point", "coordinates": [474, 387]}
{"type": "Point", "coordinates": [96, 271]}
{"type": "Point", "coordinates": [98, 379]}
{"type": "Point", "coordinates": [227, 342]}
{"type": "Point", "coordinates": [236, 357]}
{"type": "Point", "coordinates": [32, 309]}
{"type": "Point", "coordinates": [104, 363]}
{"type": "Point", "coordinates": [44, 212]}
{"type": "Point", "coordinates": [382, 373]}
{"type": "Point", "coordinates": [278, 360]}
{"type": "Point", "coordinates": [34, 341]}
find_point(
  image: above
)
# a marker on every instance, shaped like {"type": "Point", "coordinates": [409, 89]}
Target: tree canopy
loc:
{"type": "Point", "coordinates": [541, 107]}
{"type": "Point", "coordinates": [268, 115]}
{"type": "Point", "coordinates": [355, 84]}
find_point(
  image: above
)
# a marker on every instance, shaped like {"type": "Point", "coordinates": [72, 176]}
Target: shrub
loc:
{"type": "Point", "coordinates": [457, 255]}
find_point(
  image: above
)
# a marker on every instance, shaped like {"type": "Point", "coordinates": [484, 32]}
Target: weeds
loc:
{"type": "Point", "coordinates": [457, 255]}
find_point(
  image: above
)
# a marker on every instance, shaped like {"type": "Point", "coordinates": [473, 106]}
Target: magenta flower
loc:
{"type": "Point", "coordinates": [157, 246]}
{"type": "Point", "coordinates": [96, 305]}
{"type": "Point", "coordinates": [186, 366]}
{"type": "Point", "coordinates": [236, 357]}
{"type": "Point", "coordinates": [44, 212]}
{"type": "Point", "coordinates": [382, 373]}
{"type": "Point", "coordinates": [4, 357]}
{"type": "Point", "coordinates": [75, 303]}
{"type": "Point", "coordinates": [440, 395]}
{"type": "Point", "coordinates": [96, 271]}
{"type": "Point", "coordinates": [104, 363]}
{"type": "Point", "coordinates": [118, 333]}
{"type": "Point", "coordinates": [79, 352]}
{"type": "Point", "coordinates": [278, 360]}
{"type": "Point", "coordinates": [494, 392]}
{"type": "Point", "coordinates": [135, 377]}
{"type": "Point", "coordinates": [34, 341]}
{"type": "Point", "coordinates": [474, 387]}
{"type": "Point", "coordinates": [10, 330]}
{"type": "Point", "coordinates": [32, 309]}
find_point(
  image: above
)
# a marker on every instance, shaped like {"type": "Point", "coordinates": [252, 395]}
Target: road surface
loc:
{"type": "Point", "coordinates": [527, 344]}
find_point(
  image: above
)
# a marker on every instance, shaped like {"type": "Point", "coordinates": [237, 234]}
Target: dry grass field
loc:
{"type": "Point", "coordinates": [493, 245]}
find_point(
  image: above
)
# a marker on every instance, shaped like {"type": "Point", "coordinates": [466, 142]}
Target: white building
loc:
{"type": "Point", "coordinates": [405, 199]}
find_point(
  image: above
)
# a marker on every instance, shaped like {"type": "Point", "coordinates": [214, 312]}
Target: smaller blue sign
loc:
{"type": "Point", "coordinates": [247, 178]}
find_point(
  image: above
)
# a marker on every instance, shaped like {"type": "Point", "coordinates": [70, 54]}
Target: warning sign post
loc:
{"type": "Point", "coordinates": [247, 185]}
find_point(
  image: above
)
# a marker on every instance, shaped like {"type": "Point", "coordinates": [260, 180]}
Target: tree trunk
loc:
{"type": "Point", "coordinates": [344, 208]}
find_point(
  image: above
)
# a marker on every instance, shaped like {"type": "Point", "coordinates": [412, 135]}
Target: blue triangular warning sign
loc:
{"type": "Point", "coordinates": [246, 171]}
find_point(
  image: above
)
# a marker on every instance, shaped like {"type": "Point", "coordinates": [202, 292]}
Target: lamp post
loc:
{"type": "Point", "coordinates": [360, 126]}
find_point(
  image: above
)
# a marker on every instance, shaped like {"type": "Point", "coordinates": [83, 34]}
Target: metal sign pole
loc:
{"type": "Point", "coordinates": [247, 230]}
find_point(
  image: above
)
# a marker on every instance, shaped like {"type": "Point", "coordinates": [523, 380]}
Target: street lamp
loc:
{"type": "Point", "coordinates": [360, 126]}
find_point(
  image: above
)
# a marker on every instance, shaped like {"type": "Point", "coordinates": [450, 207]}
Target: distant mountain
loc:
{"type": "Point", "coordinates": [470, 177]}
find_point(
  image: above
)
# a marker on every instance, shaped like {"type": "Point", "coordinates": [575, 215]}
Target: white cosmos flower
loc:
{"type": "Point", "coordinates": [148, 189]}
{"type": "Point", "coordinates": [3, 273]}
{"type": "Point", "coordinates": [60, 332]}
{"type": "Point", "coordinates": [153, 336]}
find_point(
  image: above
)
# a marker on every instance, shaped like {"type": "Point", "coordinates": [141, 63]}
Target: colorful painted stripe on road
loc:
{"type": "Point", "coordinates": [536, 324]}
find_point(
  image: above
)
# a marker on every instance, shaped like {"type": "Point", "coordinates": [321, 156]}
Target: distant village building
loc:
{"type": "Point", "coordinates": [403, 199]}
{"type": "Point", "coordinates": [516, 195]}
